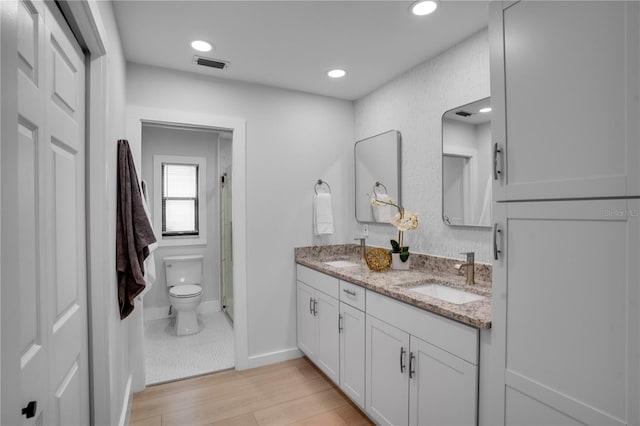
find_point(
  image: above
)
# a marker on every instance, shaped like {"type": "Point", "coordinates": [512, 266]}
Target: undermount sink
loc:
{"type": "Point", "coordinates": [447, 294]}
{"type": "Point", "coordinates": [341, 264]}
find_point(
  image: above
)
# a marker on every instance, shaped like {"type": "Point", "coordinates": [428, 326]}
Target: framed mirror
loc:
{"type": "Point", "coordinates": [466, 165]}
{"type": "Point", "coordinates": [377, 169]}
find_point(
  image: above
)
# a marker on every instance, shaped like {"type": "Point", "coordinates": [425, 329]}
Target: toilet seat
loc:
{"type": "Point", "coordinates": [185, 291]}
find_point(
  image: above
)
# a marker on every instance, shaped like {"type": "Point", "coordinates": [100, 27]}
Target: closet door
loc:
{"type": "Point", "coordinates": [564, 89]}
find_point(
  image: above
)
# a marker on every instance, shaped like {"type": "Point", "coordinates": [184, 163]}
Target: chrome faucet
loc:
{"type": "Point", "coordinates": [362, 240]}
{"type": "Point", "coordinates": [469, 267]}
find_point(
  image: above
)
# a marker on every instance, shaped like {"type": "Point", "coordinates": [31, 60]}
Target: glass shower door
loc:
{"type": "Point", "coordinates": [226, 258]}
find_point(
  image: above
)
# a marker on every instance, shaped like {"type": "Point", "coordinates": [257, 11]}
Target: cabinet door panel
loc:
{"type": "Point", "coordinates": [571, 315]}
{"type": "Point", "coordinates": [566, 75]}
{"type": "Point", "coordinates": [387, 393]}
{"type": "Point", "coordinates": [352, 354]}
{"type": "Point", "coordinates": [328, 339]}
{"type": "Point", "coordinates": [443, 388]}
{"type": "Point", "coordinates": [523, 410]}
{"type": "Point", "coordinates": [306, 321]}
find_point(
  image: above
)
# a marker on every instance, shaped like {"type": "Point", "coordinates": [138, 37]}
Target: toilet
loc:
{"type": "Point", "coordinates": [184, 276]}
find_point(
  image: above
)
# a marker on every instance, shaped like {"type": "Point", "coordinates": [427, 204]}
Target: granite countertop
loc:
{"type": "Point", "coordinates": [424, 269]}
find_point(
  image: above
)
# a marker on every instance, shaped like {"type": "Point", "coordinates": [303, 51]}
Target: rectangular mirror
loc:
{"type": "Point", "coordinates": [466, 165]}
{"type": "Point", "coordinates": [377, 168]}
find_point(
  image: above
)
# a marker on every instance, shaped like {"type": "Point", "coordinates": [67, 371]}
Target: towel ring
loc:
{"type": "Point", "coordinates": [376, 186]}
{"type": "Point", "coordinates": [319, 183]}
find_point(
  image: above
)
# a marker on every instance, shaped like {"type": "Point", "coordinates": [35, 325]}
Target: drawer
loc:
{"type": "Point", "coordinates": [323, 282]}
{"type": "Point", "coordinates": [352, 294]}
{"type": "Point", "coordinates": [451, 336]}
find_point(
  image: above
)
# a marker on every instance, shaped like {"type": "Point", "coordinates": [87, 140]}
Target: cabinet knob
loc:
{"type": "Point", "coordinates": [30, 410]}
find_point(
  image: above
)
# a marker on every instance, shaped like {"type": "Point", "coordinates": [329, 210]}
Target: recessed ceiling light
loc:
{"type": "Point", "coordinates": [424, 7]}
{"type": "Point", "coordinates": [337, 73]}
{"type": "Point", "coordinates": [201, 46]}
{"type": "Point", "coordinates": [487, 109]}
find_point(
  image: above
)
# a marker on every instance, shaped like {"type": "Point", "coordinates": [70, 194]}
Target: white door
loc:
{"type": "Point", "coordinates": [306, 322]}
{"type": "Point", "coordinates": [50, 204]}
{"type": "Point", "coordinates": [352, 331]}
{"type": "Point", "coordinates": [564, 89]}
{"type": "Point", "coordinates": [443, 387]}
{"type": "Point", "coordinates": [387, 357]}
{"type": "Point", "coordinates": [328, 339]}
{"type": "Point", "coordinates": [566, 294]}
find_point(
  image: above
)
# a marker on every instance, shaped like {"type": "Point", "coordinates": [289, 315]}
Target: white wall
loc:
{"type": "Point", "coordinates": [413, 104]}
{"type": "Point", "coordinates": [191, 143]}
{"type": "Point", "coordinates": [293, 139]}
{"type": "Point", "coordinates": [111, 369]}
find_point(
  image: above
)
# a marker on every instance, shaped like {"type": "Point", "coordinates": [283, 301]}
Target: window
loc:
{"type": "Point", "coordinates": [179, 199]}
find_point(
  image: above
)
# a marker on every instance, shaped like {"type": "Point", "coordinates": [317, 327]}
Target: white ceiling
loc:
{"type": "Point", "coordinates": [292, 44]}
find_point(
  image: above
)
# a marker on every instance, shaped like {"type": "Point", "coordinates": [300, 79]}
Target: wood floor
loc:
{"type": "Point", "coordinates": [292, 392]}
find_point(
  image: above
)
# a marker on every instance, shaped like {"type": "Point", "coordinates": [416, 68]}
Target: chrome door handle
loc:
{"type": "Point", "coordinates": [340, 323]}
{"type": "Point", "coordinates": [412, 371]}
{"type": "Point", "coordinates": [402, 364]}
{"type": "Point", "coordinates": [496, 172]}
{"type": "Point", "coordinates": [349, 292]}
{"type": "Point", "coordinates": [315, 307]}
{"type": "Point", "coordinates": [311, 305]}
{"type": "Point", "coordinates": [496, 251]}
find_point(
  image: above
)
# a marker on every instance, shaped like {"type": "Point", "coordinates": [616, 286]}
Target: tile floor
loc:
{"type": "Point", "coordinates": [169, 357]}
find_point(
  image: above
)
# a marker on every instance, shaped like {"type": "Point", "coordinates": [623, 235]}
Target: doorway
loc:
{"type": "Point", "coordinates": [180, 165]}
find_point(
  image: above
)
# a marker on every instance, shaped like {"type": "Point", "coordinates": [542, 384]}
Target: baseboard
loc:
{"type": "Point", "coordinates": [154, 313]}
{"type": "Point", "coordinates": [126, 403]}
{"type": "Point", "coordinates": [273, 357]}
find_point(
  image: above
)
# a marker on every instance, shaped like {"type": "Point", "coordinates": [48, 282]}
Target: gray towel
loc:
{"type": "Point", "coordinates": [133, 232]}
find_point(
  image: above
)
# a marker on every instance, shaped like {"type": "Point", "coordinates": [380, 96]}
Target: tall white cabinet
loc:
{"type": "Point", "coordinates": [566, 279]}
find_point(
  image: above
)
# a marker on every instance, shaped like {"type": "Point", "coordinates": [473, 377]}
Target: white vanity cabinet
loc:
{"type": "Point", "coordinates": [564, 88]}
{"type": "Point", "coordinates": [422, 369]}
{"type": "Point", "coordinates": [400, 364]}
{"type": "Point", "coordinates": [317, 320]}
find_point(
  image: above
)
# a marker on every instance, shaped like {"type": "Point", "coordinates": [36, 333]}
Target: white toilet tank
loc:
{"type": "Point", "coordinates": [183, 270]}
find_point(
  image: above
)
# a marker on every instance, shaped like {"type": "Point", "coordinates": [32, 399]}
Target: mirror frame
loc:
{"type": "Point", "coordinates": [398, 171]}
{"type": "Point", "coordinates": [487, 227]}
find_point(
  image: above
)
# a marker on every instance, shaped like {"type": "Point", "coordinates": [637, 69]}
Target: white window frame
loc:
{"type": "Point", "coordinates": [180, 240]}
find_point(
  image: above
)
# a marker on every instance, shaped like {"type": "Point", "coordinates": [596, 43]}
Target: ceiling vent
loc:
{"type": "Point", "coordinates": [211, 63]}
{"type": "Point", "coordinates": [463, 113]}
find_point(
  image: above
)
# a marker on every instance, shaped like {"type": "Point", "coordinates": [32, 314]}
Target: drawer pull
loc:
{"type": "Point", "coordinates": [311, 305]}
{"type": "Point", "coordinates": [412, 368]}
{"type": "Point", "coordinates": [315, 307]}
{"type": "Point", "coordinates": [349, 292]}
{"type": "Point", "coordinates": [340, 323]}
{"type": "Point", "coordinates": [496, 171]}
{"type": "Point", "coordinates": [496, 251]}
{"type": "Point", "coordinates": [402, 360]}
